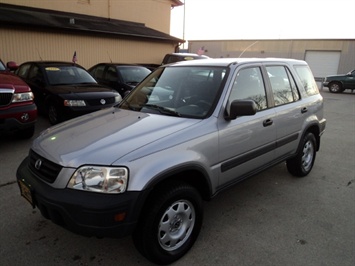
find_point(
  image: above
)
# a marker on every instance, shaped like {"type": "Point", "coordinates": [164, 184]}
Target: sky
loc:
{"type": "Point", "coordinates": [264, 19]}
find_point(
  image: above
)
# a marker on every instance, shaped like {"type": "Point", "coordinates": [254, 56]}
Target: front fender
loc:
{"type": "Point", "coordinates": [147, 172]}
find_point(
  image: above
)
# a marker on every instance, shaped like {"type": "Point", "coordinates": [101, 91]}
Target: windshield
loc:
{"type": "Point", "coordinates": [60, 75]}
{"type": "Point", "coordinates": [183, 91]}
{"type": "Point", "coordinates": [134, 74]}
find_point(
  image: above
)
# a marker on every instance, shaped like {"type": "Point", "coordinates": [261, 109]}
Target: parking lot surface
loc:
{"type": "Point", "coordinates": [270, 219]}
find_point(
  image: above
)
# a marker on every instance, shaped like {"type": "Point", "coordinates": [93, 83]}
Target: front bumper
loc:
{"type": "Point", "coordinates": [325, 83]}
{"type": "Point", "coordinates": [18, 118]}
{"type": "Point", "coordinates": [85, 213]}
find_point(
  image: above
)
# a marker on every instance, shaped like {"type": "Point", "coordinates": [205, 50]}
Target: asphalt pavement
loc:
{"type": "Point", "coordinates": [270, 219]}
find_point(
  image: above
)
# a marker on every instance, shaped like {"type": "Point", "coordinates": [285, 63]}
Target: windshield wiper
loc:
{"type": "Point", "coordinates": [162, 109]}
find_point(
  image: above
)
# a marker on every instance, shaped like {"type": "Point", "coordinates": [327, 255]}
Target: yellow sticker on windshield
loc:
{"type": "Point", "coordinates": [52, 69]}
{"type": "Point", "coordinates": [188, 58]}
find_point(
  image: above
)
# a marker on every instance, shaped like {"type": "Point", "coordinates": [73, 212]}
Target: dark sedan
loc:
{"type": "Point", "coordinates": [121, 77]}
{"type": "Point", "coordinates": [65, 90]}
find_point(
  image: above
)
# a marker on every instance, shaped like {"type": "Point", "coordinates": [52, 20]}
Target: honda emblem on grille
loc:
{"type": "Point", "coordinates": [102, 101]}
{"type": "Point", "coordinates": [38, 164]}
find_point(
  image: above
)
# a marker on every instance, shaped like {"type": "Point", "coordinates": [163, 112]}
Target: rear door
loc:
{"type": "Point", "coordinates": [247, 143]}
{"type": "Point", "coordinates": [290, 113]}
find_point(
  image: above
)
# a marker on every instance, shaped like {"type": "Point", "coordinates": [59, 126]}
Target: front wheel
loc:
{"type": "Point", "coordinates": [54, 116]}
{"type": "Point", "coordinates": [301, 165]}
{"type": "Point", "coordinates": [335, 87]}
{"type": "Point", "coordinates": [170, 223]}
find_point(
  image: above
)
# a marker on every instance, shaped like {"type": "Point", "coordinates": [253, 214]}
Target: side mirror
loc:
{"type": "Point", "coordinates": [11, 65]}
{"type": "Point", "coordinates": [241, 108]}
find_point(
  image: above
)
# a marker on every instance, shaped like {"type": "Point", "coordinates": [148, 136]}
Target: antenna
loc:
{"type": "Point", "coordinates": [39, 54]}
{"type": "Point", "coordinates": [109, 56]}
{"type": "Point", "coordinates": [248, 48]}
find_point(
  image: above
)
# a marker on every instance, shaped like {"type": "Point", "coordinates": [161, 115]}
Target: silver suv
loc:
{"type": "Point", "coordinates": [186, 133]}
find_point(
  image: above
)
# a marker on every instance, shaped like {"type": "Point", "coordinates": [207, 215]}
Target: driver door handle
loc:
{"type": "Point", "coordinates": [267, 122]}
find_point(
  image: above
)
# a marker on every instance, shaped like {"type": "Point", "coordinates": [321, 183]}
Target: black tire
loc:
{"type": "Point", "coordinates": [301, 165]}
{"type": "Point", "coordinates": [335, 87]}
{"type": "Point", "coordinates": [53, 114]}
{"type": "Point", "coordinates": [170, 223]}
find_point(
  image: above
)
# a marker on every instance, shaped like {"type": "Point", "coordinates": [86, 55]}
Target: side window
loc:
{"type": "Point", "coordinates": [249, 85]}
{"type": "Point", "coordinates": [98, 71]}
{"type": "Point", "coordinates": [282, 84]}
{"type": "Point", "coordinates": [111, 74]}
{"type": "Point", "coordinates": [23, 70]}
{"type": "Point", "coordinates": [35, 75]}
{"type": "Point", "coordinates": [307, 79]}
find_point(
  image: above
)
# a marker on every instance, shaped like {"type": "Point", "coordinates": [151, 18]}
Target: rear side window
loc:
{"type": "Point", "coordinates": [283, 85]}
{"type": "Point", "coordinates": [98, 71]}
{"type": "Point", "coordinates": [111, 74]}
{"type": "Point", "coordinates": [307, 79]}
{"type": "Point", "coordinates": [23, 70]}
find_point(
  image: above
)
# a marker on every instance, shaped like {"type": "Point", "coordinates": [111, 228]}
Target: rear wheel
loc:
{"type": "Point", "coordinates": [170, 223]}
{"type": "Point", "coordinates": [335, 87]}
{"type": "Point", "coordinates": [301, 165]}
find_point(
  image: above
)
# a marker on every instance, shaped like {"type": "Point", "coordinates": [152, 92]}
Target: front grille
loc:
{"type": "Point", "coordinates": [6, 97]}
{"type": "Point", "coordinates": [43, 168]}
{"type": "Point", "coordinates": [97, 102]}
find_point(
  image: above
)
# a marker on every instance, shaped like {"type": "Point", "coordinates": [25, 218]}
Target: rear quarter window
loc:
{"type": "Point", "coordinates": [307, 79]}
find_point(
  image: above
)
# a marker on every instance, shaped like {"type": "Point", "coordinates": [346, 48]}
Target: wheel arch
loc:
{"type": "Point", "coordinates": [193, 175]}
{"type": "Point", "coordinates": [314, 129]}
{"type": "Point", "coordinates": [51, 99]}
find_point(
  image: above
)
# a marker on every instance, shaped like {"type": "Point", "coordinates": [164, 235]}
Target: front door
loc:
{"type": "Point", "coordinates": [247, 143]}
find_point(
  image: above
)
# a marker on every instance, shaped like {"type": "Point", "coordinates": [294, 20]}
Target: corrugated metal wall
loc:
{"type": "Point", "coordinates": [278, 48]}
{"type": "Point", "coordinates": [21, 46]}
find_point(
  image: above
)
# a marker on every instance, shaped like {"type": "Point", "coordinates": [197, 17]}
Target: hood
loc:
{"type": "Point", "coordinates": [9, 80]}
{"type": "Point", "coordinates": [105, 136]}
{"type": "Point", "coordinates": [336, 76]}
{"type": "Point", "coordinates": [79, 89]}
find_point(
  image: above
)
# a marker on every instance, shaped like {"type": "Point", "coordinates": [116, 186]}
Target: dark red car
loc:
{"type": "Point", "coordinates": [18, 112]}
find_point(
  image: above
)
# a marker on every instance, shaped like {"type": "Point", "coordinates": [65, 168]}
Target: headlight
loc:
{"type": "Point", "coordinates": [118, 98]}
{"type": "Point", "coordinates": [22, 97]}
{"type": "Point", "coordinates": [74, 103]}
{"type": "Point", "coordinates": [100, 179]}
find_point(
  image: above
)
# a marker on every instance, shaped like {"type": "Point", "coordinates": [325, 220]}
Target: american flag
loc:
{"type": "Point", "coordinates": [201, 51]}
{"type": "Point", "coordinates": [74, 58]}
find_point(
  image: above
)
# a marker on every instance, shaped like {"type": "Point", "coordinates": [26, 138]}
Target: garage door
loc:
{"type": "Point", "coordinates": [323, 63]}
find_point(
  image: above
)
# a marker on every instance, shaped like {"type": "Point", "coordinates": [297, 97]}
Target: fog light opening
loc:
{"type": "Point", "coordinates": [25, 117]}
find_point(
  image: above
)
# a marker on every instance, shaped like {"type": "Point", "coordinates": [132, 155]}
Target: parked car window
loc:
{"type": "Point", "coordinates": [23, 70]}
{"type": "Point", "coordinates": [111, 74]}
{"type": "Point", "coordinates": [34, 74]}
{"type": "Point", "coordinates": [133, 74]}
{"type": "Point", "coordinates": [179, 91]}
{"type": "Point", "coordinates": [98, 71]}
{"type": "Point", "coordinates": [249, 85]}
{"type": "Point", "coordinates": [2, 66]}
{"type": "Point", "coordinates": [68, 75]}
{"type": "Point", "coordinates": [307, 79]}
{"type": "Point", "coordinates": [282, 85]}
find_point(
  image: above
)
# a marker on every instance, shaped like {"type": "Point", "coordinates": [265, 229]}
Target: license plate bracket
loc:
{"type": "Point", "coordinates": [26, 192]}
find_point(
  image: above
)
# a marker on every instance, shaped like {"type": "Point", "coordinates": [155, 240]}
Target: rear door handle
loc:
{"type": "Point", "coordinates": [304, 110]}
{"type": "Point", "coordinates": [267, 122]}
